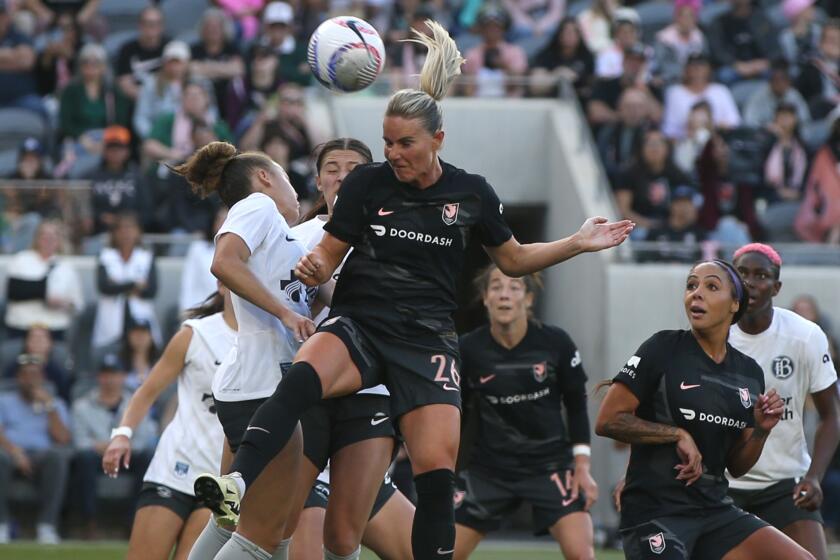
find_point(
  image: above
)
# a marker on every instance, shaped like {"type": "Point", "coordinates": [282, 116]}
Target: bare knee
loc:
{"type": "Point", "coordinates": [342, 537]}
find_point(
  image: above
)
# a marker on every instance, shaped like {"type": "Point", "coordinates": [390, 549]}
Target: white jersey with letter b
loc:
{"type": "Point", "coordinates": [793, 353]}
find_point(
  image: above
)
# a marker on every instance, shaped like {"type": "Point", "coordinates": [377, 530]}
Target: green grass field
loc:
{"type": "Point", "coordinates": [116, 550]}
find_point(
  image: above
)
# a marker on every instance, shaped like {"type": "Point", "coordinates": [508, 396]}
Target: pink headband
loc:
{"type": "Point", "coordinates": [765, 250]}
{"type": "Point", "coordinates": [693, 4]}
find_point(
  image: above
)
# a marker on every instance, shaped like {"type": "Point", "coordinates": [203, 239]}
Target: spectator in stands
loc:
{"type": "Point", "coordinates": [161, 92]}
{"type": "Point", "coordinates": [743, 42]}
{"type": "Point", "coordinates": [17, 64]}
{"type": "Point", "coordinates": [534, 18]}
{"type": "Point", "coordinates": [819, 79]}
{"type": "Point", "coordinates": [564, 57]}
{"type": "Point", "coordinates": [50, 11]}
{"type": "Point", "coordinates": [277, 148]}
{"type": "Point", "coordinates": [42, 288]}
{"type": "Point", "coordinates": [171, 137]}
{"type": "Point", "coordinates": [140, 58]}
{"type": "Point", "coordinates": [196, 280]}
{"type": "Point", "coordinates": [34, 428]}
{"type": "Point", "coordinates": [245, 98]}
{"type": "Point", "coordinates": [88, 105]}
{"type": "Point", "coordinates": [215, 56]}
{"type": "Point", "coordinates": [818, 220]}
{"type": "Point", "coordinates": [799, 41]}
{"type": "Point", "coordinates": [603, 107]}
{"type": "Point", "coordinates": [698, 131]}
{"type": "Point", "coordinates": [785, 171]}
{"type": "Point", "coordinates": [406, 58]}
{"type": "Point", "coordinates": [728, 211]}
{"type": "Point", "coordinates": [493, 66]}
{"type": "Point", "coordinates": [806, 306]}
{"type": "Point", "coordinates": [117, 186]}
{"type": "Point", "coordinates": [284, 114]}
{"type": "Point", "coordinates": [676, 42]}
{"type": "Point", "coordinates": [625, 33]}
{"type": "Point", "coordinates": [245, 16]}
{"type": "Point", "coordinates": [95, 414]}
{"type": "Point", "coordinates": [643, 190]}
{"type": "Point", "coordinates": [24, 208]}
{"type": "Point", "coordinates": [57, 60]}
{"type": "Point", "coordinates": [139, 352]}
{"type": "Point", "coordinates": [696, 86]}
{"type": "Point", "coordinates": [680, 235]}
{"type": "Point", "coordinates": [596, 23]}
{"type": "Point", "coordinates": [618, 142]}
{"type": "Point", "coordinates": [39, 343]}
{"type": "Point", "coordinates": [126, 279]}
{"type": "Point", "coordinates": [278, 39]}
{"type": "Point", "coordinates": [760, 109]}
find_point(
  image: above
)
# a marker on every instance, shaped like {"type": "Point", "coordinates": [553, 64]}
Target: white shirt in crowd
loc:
{"type": "Point", "coordinates": [62, 283]}
{"type": "Point", "coordinates": [679, 100]}
{"type": "Point", "coordinates": [310, 233]}
{"type": "Point", "coordinates": [793, 352]}
{"type": "Point", "coordinates": [192, 443]}
{"type": "Point", "coordinates": [264, 347]}
{"type": "Point", "coordinates": [197, 282]}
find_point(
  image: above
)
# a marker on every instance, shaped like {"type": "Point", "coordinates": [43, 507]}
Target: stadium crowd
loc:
{"type": "Point", "coordinates": [715, 122]}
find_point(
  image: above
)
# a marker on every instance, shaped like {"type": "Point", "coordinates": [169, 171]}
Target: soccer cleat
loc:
{"type": "Point", "coordinates": [221, 495]}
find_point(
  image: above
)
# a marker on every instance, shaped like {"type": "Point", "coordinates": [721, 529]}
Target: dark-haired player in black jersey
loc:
{"type": "Point", "coordinates": [691, 406]}
{"type": "Point", "coordinates": [409, 221]}
{"type": "Point", "coordinates": [527, 377]}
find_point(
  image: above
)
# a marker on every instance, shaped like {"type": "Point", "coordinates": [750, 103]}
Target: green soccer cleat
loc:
{"type": "Point", "coordinates": [221, 495]}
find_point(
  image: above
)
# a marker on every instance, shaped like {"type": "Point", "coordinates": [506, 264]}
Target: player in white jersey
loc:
{"type": "Point", "coordinates": [783, 487]}
{"type": "Point", "coordinates": [355, 428]}
{"type": "Point", "coordinates": [168, 515]}
{"type": "Point", "coordinates": [254, 257]}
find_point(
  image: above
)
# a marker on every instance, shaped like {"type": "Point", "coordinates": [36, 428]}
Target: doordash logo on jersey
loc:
{"type": "Point", "coordinates": [690, 414]}
{"type": "Point", "coordinates": [383, 231]}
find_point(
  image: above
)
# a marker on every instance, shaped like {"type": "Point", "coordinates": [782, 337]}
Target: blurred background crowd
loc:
{"type": "Point", "coordinates": [716, 123]}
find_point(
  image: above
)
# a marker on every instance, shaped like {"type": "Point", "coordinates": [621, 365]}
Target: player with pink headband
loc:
{"type": "Point", "coordinates": [783, 487]}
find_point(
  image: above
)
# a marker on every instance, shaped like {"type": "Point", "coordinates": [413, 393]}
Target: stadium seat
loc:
{"type": "Point", "coordinates": [654, 15]}
{"type": "Point", "coordinates": [17, 125]}
{"type": "Point", "coordinates": [742, 91]}
{"type": "Point", "coordinates": [710, 12]}
{"type": "Point", "coordinates": [8, 162]}
{"type": "Point", "coordinates": [815, 133]}
{"type": "Point", "coordinates": [122, 15]}
{"type": "Point", "coordinates": [577, 7]}
{"type": "Point", "coordinates": [182, 15]}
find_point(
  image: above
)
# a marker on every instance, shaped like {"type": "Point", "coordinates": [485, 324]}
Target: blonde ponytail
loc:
{"type": "Point", "coordinates": [443, 64]}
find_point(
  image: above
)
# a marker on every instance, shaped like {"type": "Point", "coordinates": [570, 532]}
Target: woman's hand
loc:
{"type": "Point", "coordinates": [301, 327]}
{"type": "Point", "coordinates": [582, 480]}
{"type": "Point", "coordinates": [311, 270]}
{"type": "Point", "coordinates": [597, 233]}
{"type": "Point", "coordinates": [118, 452]}
{"type": "Point", "coordinates": [692, 461]}
{"type": "Point", "coordinates": [768, 410]}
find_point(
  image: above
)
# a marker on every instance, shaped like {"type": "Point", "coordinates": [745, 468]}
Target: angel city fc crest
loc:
{"type": "Point", "coordinates": [746, 399]}
{"type": "Point", "coordinates": [450, 213]}
{"type": "Point", "coordinates": [657, 543]}
{"type": "Point", "coordinates": [540, 371]}
{"type": "Point", "coordinates": [458, 498]}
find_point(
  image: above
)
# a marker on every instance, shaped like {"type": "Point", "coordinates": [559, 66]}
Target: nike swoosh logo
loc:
{"type": "Point", "coordinates": [485, 378]}
{"type": "Point", "coordinates": [442, 552]}
{"type": "Point", "coordinates": [568, 501]}
{"type": "Point", "coordinates": [446, 387]}
{"type": "Point", "coordinates": [218, 362]}
{"type": "Point", "coordinates": [683, 386]}
{"type": "Point", "coordinates": [290, 239]}
{"type": "Point", "coordinates": [257, 428]}
{"type": "Point", "coordinates": [377, 421]}
{"type": "Point", "coordinates": [383, 212]}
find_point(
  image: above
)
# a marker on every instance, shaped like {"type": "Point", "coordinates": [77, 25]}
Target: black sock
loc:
{"type": "Point", "coordinates": [433, 532]}
{"type": "Point", "coordinates": [273, 423]}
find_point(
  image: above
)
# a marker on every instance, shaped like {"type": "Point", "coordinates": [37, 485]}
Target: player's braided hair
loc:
{"type": "Point", "coordinates": [443, 64]}
{"type": "Point", "coordinates": [219, 167]}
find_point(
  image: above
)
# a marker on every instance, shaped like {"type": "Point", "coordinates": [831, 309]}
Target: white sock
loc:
{"type": "Point", "coordinates": [352, 556]}
{"type": "Point", "coordinates": [282, 552]}
{"type": "Point", "coordinates": [209, 542]}
{"type": "Point", "coordinates": [240, 548]}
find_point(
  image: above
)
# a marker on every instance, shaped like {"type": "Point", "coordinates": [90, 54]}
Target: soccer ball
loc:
{"type": "Point", "coordinates": [346, 54]}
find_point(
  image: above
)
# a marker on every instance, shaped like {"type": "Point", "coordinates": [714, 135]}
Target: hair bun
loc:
{"type": "Point", "coordinates": [203, 170]}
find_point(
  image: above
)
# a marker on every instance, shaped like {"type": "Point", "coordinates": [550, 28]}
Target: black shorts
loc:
{"type": "Point", "coordinates": [320, 494]}
{"type": "Point", "coordinates": [416, 372]}
{"type": "Point", "coordinates": [482, 502]}
{"type": "Point", "coordinates": [698, 537]}
{"type": "Point", "coordinates": [774, 504]}
{"type": "Point", "coordinates": [154, 494]}
{"type": "Point", "coordinates": [235, 417]}
{"type": "Point", "coordinates": [337, 423]}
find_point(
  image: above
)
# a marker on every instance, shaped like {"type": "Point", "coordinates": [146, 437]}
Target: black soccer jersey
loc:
{"type": "Point", "coordinates": [409, 246]}
{"type": "Point", "coordinates": [522, 396]}
{"type": "Point", "coordinates": [678, 384]}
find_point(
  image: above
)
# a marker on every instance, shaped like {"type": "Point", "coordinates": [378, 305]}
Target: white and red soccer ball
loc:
{"type": "Point", "coordinates": [346, 54]}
